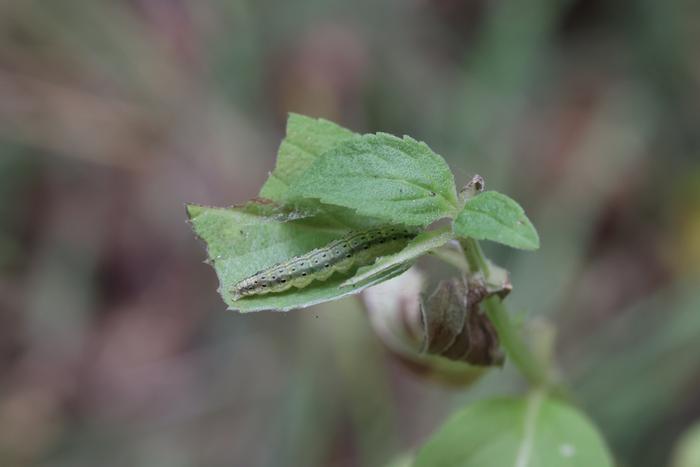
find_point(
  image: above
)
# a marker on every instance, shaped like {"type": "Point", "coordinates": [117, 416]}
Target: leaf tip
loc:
{"type": "Point", "coordinates": [530, 236]}
{"type": "Point", "coordinates": [192, 210]}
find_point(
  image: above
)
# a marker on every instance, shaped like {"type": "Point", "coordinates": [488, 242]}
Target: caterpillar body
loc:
{"type": "Point", "coordinates": [356, 249]}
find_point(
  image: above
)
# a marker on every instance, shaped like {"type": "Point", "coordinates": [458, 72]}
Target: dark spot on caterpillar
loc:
{"type": "Point", "coordinates": [274, 277]}
{"type": "Point", "coordinates": [432, 193]}
{"type": "Point", "coordinates": [303, 274]}
{"type": "Point", "coordinates": [348, 255]}
{"type": "Point", "coordinates": [294, 269]}
{"type": "Point", "coordinates": [328, 265]}
{"type": "Point", "coordinates": [264, 285]}
{"type": "Point", "coordinates": [324, 255]}
{"type": "Point", "coordinates": [366, 247]}
{"type": "Point", "coordinates": [283, 280]}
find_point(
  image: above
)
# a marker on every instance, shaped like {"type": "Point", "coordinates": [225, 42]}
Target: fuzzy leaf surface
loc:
{"type": "Point", "coordinates": [496, 217]}
{"type": "Point", "coordinates": [400, 181]}
{"type": "Point", "coordinates": [307, 138]}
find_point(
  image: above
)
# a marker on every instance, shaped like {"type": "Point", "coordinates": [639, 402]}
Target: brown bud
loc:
{"type": "Point", "coordinates": [445, 337]}
{"type": "Point", "coordinates": [394, 311]}
{"type": "Point", "coordinates": [454, 326]}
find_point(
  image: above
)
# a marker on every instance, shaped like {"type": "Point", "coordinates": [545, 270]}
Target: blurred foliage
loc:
{"type": "Point", "coordinates": [687, 452]}
{"type": "Point", "coordinates": [114, 347]}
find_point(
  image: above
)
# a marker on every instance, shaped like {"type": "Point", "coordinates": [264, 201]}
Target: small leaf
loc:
{"type": "Point", "coordinates": [496, 217]}
{"type": "Point", "coordinates": [399, 181]}
{"type": "Point", "coordinates": [307, 138]}
{"type": "Point", "coordinates": [420, 245]}
{"type": "Point", "coordinates": [516, 432]}
{"type": "Point", "coordinates": [243, 240]}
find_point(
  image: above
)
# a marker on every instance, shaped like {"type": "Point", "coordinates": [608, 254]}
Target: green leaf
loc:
{"type": "Point", "coordinates": [307, 138]}
{"type": "Point", "coordinates": [420, 245]}
{"type": "Point", "coordinates": [687, 452]}
{"type": "Point", "coordinates": [516, 432]}
{"type": "Point", "coordinates": [496, 217]}
{"type": "Point", "coordinates": [400, 181]}
{"type": "Point", "coordinates": [243, 240]}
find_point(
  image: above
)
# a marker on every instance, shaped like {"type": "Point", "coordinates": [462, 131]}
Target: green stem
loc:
{"type": "Point", "coordinates": [451, 257]}
{"type": "Point", "coordinates": [516, 349]}
{"type": "Point", "coordinates": [475, 256]}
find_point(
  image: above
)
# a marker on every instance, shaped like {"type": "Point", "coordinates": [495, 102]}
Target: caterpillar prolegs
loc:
{"type": "Point", "coordinates": [354, 250]}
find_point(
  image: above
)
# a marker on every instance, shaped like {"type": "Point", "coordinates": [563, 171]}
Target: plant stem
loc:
{"type": "Point", "coordinates": [475, 257]}
{"type": "Point", "coordinates": [451, 257]}
{"type": "Point", "coordinates": [516, 349]}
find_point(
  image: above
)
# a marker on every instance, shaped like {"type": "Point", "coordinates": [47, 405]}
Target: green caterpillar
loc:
{"type": "Point", "coordinates": [355, 249]}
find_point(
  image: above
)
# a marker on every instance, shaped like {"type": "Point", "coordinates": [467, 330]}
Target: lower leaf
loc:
{"type": "Point", "coordinates": [536, 431]}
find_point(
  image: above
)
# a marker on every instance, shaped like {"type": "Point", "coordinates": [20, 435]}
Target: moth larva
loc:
{"type": "Point", "coordinates": [354, 250]}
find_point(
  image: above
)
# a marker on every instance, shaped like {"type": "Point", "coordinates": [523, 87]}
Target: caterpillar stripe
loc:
{"type": "Point", "coordinates": [354, 250]}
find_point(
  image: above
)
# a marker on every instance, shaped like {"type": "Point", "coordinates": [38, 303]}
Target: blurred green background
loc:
{"type": "Point", "coordinates": [115, 349]}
